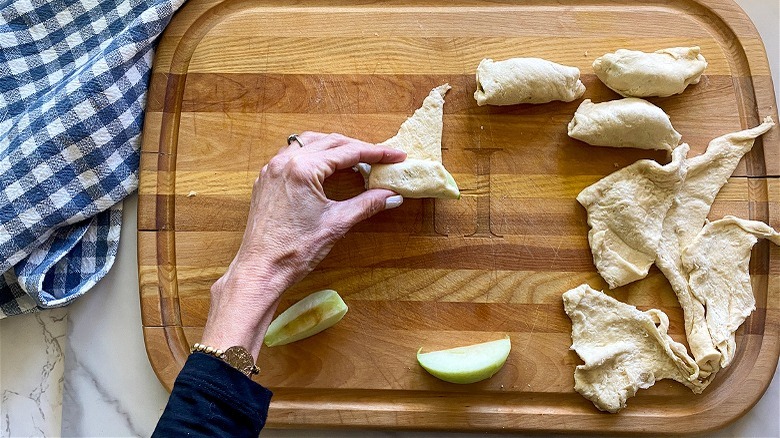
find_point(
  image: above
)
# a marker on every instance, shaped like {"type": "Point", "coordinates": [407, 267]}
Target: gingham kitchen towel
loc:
{"type": "Point", "coordinates": [73, 80]}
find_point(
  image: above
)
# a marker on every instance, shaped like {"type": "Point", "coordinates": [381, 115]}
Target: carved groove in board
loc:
{"type": "Point", "coordinates": [484, 224]}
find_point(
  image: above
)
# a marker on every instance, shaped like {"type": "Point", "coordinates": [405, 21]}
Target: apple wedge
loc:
{"type": "Point", "coordinates": [467, 364]}
{"type": "Point", "coordinates": [305, 318]}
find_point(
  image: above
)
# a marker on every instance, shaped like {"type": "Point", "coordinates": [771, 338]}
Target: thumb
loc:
{"type": "Point", "coordinates": [367, 204]}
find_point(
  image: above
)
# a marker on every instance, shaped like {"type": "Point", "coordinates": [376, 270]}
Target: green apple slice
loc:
{"type": "Point", "coordinates": [305, 318]}
{"type": "Point", "coordinates": [467, 364]}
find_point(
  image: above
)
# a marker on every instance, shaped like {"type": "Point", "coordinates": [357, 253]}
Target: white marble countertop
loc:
{"type": "Point", "coordinates": [83, 370]}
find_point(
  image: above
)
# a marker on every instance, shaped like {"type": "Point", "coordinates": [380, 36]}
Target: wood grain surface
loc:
{"type": "Point", "coordinates": [232, 79]}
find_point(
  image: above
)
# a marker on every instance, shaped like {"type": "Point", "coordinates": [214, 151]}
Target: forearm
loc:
{"type": "Point", "coordinates": [210, 397]}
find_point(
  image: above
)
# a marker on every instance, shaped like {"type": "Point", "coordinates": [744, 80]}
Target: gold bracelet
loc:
{"type": "Point", "coordinates": [237, 357]}
{"type": "Point", "coordinates": [208, 350]}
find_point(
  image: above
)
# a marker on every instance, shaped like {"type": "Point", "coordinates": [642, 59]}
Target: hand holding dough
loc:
{"type": "Point", "coordinates": [623, 348]}
{"type": "Point", "coordinates": [526, 80]}
{"type": "Point", "coordinates": [626, 212]}
{"type": "Point", "coordinates": [662, 73]}
{"type": "Point", "coordinates": [629, 123]}
{"type": "Point", "coordinates": [717, 263]}
{"type": "Point", "coordinates": [422, 174]}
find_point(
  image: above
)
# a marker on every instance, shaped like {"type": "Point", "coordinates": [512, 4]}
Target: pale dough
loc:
{"type": "Point", "coordinates": [717, 264]}
{"type": "Point", "coordinates": [626, 212]}
{"type": "Point", "coordinates": [707, 173]}
{"type": "Point", "coordinates": [624, 349]}
{"type": "Point", "coordinates": [629, 122]}
{"type": "Point", "coordinates": [526, 80]}
{"type": "Point", "coordinates": [661, 73]}
{"type": "Point", "coordinates": [422, 174]}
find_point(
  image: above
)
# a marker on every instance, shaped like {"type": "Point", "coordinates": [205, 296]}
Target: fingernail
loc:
{"type": "Point", "coordinates": [393, 201]}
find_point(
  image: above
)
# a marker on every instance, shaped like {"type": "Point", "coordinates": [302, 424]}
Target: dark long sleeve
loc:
{"type": "Point", "coordinates": [212, 399]}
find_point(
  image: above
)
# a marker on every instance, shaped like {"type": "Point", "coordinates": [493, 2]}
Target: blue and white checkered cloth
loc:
{"type": "Point", "coordinates": [73, 80]}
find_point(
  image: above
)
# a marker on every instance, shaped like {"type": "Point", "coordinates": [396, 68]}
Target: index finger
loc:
{"type": "Point", "coordinates": [350, 154]}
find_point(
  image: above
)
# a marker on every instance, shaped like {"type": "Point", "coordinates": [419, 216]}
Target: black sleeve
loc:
{"type": "Point", "coordinates": [211, 398]}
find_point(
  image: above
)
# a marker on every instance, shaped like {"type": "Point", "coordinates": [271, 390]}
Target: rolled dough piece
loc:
{"type": "Point", "coordinates": [422, 174]}
{"type": "Point", "coordinates": [626, 212]}
{"type": "Point", "coordinates": [628, 123]}
{"type": "Point", "coordinates": [707, 173]}
{"type": "Point", "coordinates": [717, 262]}
{"type": "Point", "coordinates": [661, 73]}
{"type": "Point", "coordinates": [526, 80]}
{"type": "Point", "coordinates": [624, 349]}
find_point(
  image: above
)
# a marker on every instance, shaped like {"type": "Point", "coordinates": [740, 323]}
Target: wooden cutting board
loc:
{"type": "Point", "coordinates": [232, 79]}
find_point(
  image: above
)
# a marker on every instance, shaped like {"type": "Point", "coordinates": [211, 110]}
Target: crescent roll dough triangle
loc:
{"type": "Point", "coordinates": [624, 349]}
{"type": "Point", "coordinates": [717, 262]}
{"type": "Point", "coordinates": [707, 173]}
{"type": "Point", "coordinates": [626, 212]}
{"type": "Point", "coordinates": [422, 174]}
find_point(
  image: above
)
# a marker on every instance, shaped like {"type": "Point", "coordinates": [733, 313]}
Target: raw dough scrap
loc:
{"type": "Point", "coordinates": [624, 349]}
{"type": "Point", "coordinates": [629, 123]}
{"type": "Point", "coordinates": [422, 174]}
{"type": "Point", "coordinates": [717, 262]}
{"type": "Point", "coordinates": [661, 73]}
{"type": "Point", "coordinates": [707, 173]}
{"type": "Point", "coordinates": [626, 212]}
{"type": "Point", "coordinates": [526, 80]}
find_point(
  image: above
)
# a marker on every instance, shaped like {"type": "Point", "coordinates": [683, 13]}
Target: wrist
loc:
{"type": "Point", "coordinates": [225, 329]}
{"type": "Point", "coordinates": [240, 312]}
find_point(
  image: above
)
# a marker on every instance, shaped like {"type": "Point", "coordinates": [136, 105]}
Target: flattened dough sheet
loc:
{"type": "Point", "coordinates": [626, 211]}
{"type": "Point", "coordinates": [624, 349]}
{"type": "Point", "coordinates": [717, 265]}
{"type": "Point", "coordinates": [707, 173]}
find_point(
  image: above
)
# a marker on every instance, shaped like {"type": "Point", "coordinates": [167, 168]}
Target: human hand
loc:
{"type": "Point", "coordinates": [291, 227]}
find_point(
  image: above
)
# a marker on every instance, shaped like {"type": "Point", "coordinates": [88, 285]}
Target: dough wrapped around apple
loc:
{"type": "Point", "coordinates": [422, 174]}
{"type": "Point", "coordinates": [663, 73]}
{"type": "Point", "coordinates": [627, 123]}
{"type": "Point", "coordinates": [526, 80]}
